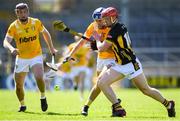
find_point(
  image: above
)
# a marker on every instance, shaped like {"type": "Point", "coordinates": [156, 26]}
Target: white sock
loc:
{"type": "Point", "coordinates": [22, 103]}
{"type": "Point", "coordinates": [43, 95]}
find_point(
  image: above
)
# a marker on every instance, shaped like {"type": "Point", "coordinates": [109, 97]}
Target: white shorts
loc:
{"type": "Point", "coordinates": [76, 70]}
{"type": "Point", "coordinates": [23, 65]}
{"type": "Point", "coordinates": [128, 69]}
{"type": "Point", "coordinates": [101, 63]}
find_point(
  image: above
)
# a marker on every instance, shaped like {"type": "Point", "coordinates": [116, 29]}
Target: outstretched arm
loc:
{"type": "Point", "coordinates": [48, 40]}
{"type": "Point", "coordinates": [77, 47]}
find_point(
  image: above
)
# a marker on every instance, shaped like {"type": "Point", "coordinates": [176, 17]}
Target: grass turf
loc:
{"type": "Point", "coordinates": [66, 105]}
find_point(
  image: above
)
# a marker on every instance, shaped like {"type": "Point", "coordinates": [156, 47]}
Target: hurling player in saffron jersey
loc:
{"type": "Point", "coordinates": [25, 32]}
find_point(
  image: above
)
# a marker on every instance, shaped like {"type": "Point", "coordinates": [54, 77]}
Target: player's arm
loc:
{"type": "Point", "coordinates": [80, 43]}
{"type": "Point", "coordinates": [77, 47]}
{"type": "Point", "coordinates": [48, 40]}
{"type": "Point", "coordinates": [104, 46]}
{"type": "Point", "coordinates": [7, 44]}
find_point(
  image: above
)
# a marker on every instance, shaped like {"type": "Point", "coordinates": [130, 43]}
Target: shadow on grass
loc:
{"type": "Point", "coordinates": [136, 117]}
{"type": "Point", "coordinates": [148, 117]}
{"type": "Point", "coordinates": [33, 113]}
{"type": "Point", "coordinates": [53, 113]}
{"type": "Point", "coordinates": [68, 114]}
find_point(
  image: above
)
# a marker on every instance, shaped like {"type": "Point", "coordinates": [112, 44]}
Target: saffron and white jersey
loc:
{"type": "Point", "coordinates": [99, 35]}
{"type": "Point", "coordinates": [26, 37]}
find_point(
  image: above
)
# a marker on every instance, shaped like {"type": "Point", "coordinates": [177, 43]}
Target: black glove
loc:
{"type": "Point", "coordinates": [68, 59]}
{"type": "Point", "coordinates": [93, 45]}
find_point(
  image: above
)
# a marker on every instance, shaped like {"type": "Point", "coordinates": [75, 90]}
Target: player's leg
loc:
{"type": "Point", "coordinates": [104, 83]}
{"type": "Point", "coordinates": [38, 72]}
{"type": "Point", "coordinates": [82, 76]}
{"type": "Point", "coordinates": [74, 75]}
{"type": "Point", "coordinates": [141, 83]}
{"type": "Point", "coordinates": [95, 91]}
{"type": "Point", "coordinates": [75, 82]}
{"type": "Point", "coordinates": [19, 83]}
{"type": "Point", "coordinates": [20, 72]}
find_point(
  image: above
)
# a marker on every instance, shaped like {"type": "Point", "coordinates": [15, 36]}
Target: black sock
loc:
{"type": "Point", "coordinates": [166, 103]}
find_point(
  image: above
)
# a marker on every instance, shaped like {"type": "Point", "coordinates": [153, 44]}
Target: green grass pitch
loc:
{"type": "Point", "coordinates": [66, 105]}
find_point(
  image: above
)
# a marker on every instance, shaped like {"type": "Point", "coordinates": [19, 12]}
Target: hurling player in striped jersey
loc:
{"type": "Point", "coordinates": [127, 64]}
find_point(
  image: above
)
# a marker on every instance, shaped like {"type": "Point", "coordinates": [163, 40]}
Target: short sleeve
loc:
{"type": "Point", "coordinates": [89, 31]}
{"type": "Point", "coordinates": [40, 26]}
{"type": "Point", "coordinates": [11, 31]}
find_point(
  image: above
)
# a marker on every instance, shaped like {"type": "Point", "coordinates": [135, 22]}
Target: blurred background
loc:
{"type": "Point", "coordinates": [154, 28]}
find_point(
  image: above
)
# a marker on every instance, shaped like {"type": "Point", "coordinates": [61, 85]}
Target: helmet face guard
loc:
{"type": "Point", "coordinates": [96, 16]}
{"type": "Point", "coordinates": [109, 16]}
{"type": "Point", "coordinates": [107, 21]}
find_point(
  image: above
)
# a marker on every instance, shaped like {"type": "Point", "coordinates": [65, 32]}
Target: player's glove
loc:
{"type": "Point", "coordinates": [68, 59]}
{"type": "Point", "coordinates": [93, 45]}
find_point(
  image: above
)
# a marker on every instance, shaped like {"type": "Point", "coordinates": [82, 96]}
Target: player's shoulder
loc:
{"type": "Point", "coordinates": [91, 25]}
{"type": "Point", "coordinates": [13, 24]}
{"type": "Point", "coordinates": [118, 28]}
{"type": "Point", "coordinates": [89, 30]}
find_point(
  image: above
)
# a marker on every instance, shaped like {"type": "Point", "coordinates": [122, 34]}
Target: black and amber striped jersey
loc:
{"type": "Point", "coordinates": [121, 44]}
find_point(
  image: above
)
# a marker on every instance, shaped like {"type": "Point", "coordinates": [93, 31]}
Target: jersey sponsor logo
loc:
{"type": "Point", "coordinates": [27, 39]}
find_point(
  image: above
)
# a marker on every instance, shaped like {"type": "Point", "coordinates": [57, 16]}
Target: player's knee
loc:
{"type": "Point", "coordinates": [19, 86]}
{"type": "Point", "coordinates": [39, 78]}
{"type": "Point", "coordinates": [101, 83]}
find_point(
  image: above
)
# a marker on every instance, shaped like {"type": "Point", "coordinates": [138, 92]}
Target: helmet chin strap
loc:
{"type": "Point", "coordinates": [114, 20]}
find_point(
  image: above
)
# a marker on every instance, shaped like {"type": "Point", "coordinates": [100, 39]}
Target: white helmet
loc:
{"type": "Point", "coordinates": [97, 13]}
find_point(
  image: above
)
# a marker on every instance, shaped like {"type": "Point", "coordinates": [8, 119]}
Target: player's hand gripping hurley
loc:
{"type": "Point", "coordinates": [54, 66]}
